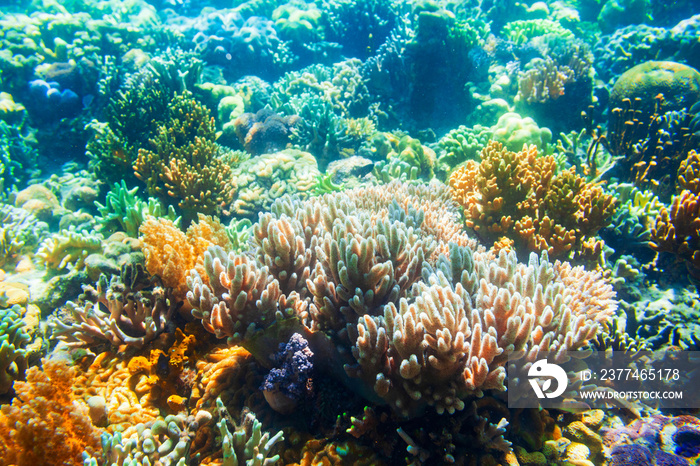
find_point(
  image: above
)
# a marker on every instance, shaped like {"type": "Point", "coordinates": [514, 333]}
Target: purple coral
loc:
{"type": "Point", "coordinates": [286, 384]}
{"type": "Point", "coordinates": [631, 455]}
{"type": "Point", "coordinates": [669, 459]}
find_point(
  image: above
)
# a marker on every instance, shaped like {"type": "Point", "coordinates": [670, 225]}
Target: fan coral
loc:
{"type": "Point", "coordinates": [45, 417]}
{"type": "Point", "coordinates": [369, 278]}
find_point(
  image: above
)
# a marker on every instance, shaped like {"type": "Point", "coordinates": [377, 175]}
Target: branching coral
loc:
{"type": "Point", "coordinates": [46, 417]}
{"type": "Point", "coordinates": [184, 164]}
{"type": "Point", "coordinates": [164, 441]}
{"type": "Point", "coordinates": [677, 230]}
{"type": "Point", "coordinates": [518, 195]}
{"type": "Point", "coordinates": [247, 443]}
{"type": "Point", "coordinates": [369, 277]}
{"type": "Point", "coordinates": [114, 314]}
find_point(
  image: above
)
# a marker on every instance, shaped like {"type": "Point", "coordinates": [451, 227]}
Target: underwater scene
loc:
{"type": "Point", "coordinates": [349, 232]}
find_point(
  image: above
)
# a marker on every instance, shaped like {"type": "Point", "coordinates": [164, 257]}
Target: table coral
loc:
{"type": "Point", "coordinates": [46, 417]}
{"type": "Point", "coordinates": [367, 277]}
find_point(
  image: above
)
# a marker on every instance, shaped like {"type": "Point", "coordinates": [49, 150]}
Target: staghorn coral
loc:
{"type": "Point", "coordinates": [184, 165]}
{"type": "Point", "coordinates": [370, 278]}
{"type": "Point", "coordinates": [46, 417]}
{"type": "Point", "coordinates": [519, 196]}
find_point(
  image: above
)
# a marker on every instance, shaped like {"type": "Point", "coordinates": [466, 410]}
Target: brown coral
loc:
{"type": "Point", "coordinates": [677, 230]}
{"type": "Point", "coordinates": [184, 165]}
{"type": "Point", "coordinates": [46, 424]}
{"type": "Point", "coordinates": [518, 195]}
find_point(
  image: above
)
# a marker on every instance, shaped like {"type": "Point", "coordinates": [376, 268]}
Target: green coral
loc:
{"type": "Point", "coordinates": [68, 249]}
{"type": "Point", "coordinates": [514, 131]}
{"type": "Point", "coordinates": [124, 211]}
{"type": "Point", "coordinates": [247, 444]}
{"type": "Point", "coordinates": [13, 343]}
{"type": "Point", "coordinates": [459, 145]}
{"type": "Point", "coordinates": [523, 31]}
{"type": "Point", "coordinates": [18, 155]}
{"type": "Point", "coordinates": [238, 232]}
{"type": "Point", "coordinates": [263, 179]}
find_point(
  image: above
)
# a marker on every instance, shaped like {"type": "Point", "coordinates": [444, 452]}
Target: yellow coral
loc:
{"type": "Point", "coordinates": [518, 195]}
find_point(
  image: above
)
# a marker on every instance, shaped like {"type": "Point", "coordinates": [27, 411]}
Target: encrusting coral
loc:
{"type": "Point", "coordinates": [382, 280]}
{"type": "Point", "coordinates": [519, 196]}
{"type": "Point", "coordinates": [46, 424]}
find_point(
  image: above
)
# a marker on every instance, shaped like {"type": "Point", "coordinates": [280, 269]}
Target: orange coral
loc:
{"type": "Point", "coordinates": [689, 173]}
{"type": "Point", "coordinates": [518, 195]}
{"type": "Point", "coordinates": [171, 254]}
{"type": "Point", "coordinates": [678, 230]}
{"type": "Point", "coordinates": [111, 379]}
{"type": "Point", "coordinates": [46, 424]}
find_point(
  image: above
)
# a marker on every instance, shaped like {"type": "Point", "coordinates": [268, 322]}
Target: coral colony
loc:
{"type": "Point", "coordinates": [335, 232]}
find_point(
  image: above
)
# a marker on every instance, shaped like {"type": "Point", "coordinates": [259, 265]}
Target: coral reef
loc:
{"type": "Point", "coordinates": [185, 165]}
{"type": "Point", "coordinates": [351, 286]}
{"type": "Point", "coordinates": [13, 351]}
{"type": "Point", "coordinates": [263, 179]}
